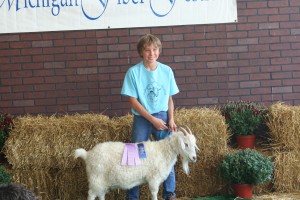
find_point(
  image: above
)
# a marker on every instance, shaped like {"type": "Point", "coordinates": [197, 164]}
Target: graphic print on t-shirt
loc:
{"type": "Point", "coordinates": [153, 92]}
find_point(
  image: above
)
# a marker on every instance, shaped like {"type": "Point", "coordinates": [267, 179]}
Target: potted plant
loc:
{"type": "Point", "coordinates": [243, 118]}
{"type": "Point", "coordinates": [246, 168]}
{"type": "Point", "coordinates": [5, 177]}
{"type": "Point", "coordinates": [5, 125]}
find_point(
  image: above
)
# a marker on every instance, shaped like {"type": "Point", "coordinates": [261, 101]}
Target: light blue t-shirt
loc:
{"type": "Point", "coordinates": [151, 88]}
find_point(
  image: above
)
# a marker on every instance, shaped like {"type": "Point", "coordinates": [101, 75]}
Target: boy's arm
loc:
{"type": "Point", "coordinates": [172, 125]}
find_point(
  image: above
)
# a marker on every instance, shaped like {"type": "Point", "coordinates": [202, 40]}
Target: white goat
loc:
{"type": "Point", "coordinates": [104, 169]}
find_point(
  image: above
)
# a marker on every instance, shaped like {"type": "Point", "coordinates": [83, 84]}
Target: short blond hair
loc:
{"type": "Point", "coordinates": [147, 40]}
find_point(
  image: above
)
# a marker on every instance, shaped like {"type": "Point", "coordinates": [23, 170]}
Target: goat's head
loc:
{"type": "Point", "coordinates": [188, 147]}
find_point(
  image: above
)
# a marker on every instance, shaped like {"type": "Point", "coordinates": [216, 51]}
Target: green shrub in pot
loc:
{"type": "Point", "coordinates": [5, 177]}
{"type": "Point", "coordinates": [242, 117]}
{"type": "Point", "coordinates": [247, 167]}
{"type": "Point", "coordinates": [5, 125]}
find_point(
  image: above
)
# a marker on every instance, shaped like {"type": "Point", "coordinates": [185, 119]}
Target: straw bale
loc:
{"type": "Point", "coordinates": [121, 128]}
{"type": "Point", "coordinates": [286, 174]}
{"type": "Point", "coordinates": [25, 143]}
{"type": "Point", "coordinates": [210, 129]}
{"type": "Point", "coordinates": [71, 183]}
{"type": "Point", "coordinates": [79, 131]}
{"type": "Point", "coordinates": [40, 142]}
{"type": "Point", "coordinates": [284, 126]}
{"type": "Point", "coordinates": [38, 181]}
{"type": "Point", "coordinates": [265, 188]}
{"type": "Point", "coordinates": [204, 180]}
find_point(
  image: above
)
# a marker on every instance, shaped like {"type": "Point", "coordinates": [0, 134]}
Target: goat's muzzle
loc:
{"type": "Point", "coordinates": [193, 159]}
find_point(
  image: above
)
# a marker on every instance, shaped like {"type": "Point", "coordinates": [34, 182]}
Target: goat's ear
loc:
{"type": "Point", "coordinates": [182, 143]}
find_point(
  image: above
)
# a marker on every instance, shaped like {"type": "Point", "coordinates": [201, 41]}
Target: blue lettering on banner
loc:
{"type": "Point", "coordinates": [158, 10]}
{"type": "Point", "coordinates": [10, 4]}
{"type": "Point", "coordinates": [101, 5]}
{"type": "Point", "coordinates": [34, 4]}
{"type": "Point", "coordinates": [127, 1]}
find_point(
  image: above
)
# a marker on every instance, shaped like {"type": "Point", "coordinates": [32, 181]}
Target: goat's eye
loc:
{"type": "Point", "coordinates": [186, 145]}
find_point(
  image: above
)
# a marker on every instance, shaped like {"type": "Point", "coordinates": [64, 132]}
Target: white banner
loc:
{"type": "Point", "coordinates": [55, 15]}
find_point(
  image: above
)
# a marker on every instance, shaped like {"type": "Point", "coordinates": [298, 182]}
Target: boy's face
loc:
{"type": "Point", "coordinates": [150, 53]}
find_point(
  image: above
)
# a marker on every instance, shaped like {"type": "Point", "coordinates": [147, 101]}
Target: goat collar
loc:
{"type": "Point", "coordinates": [165, 134]}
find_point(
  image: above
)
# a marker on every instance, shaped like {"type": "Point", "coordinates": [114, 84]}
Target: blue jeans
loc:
{"type": "Point", "coordinates": [142, 129]}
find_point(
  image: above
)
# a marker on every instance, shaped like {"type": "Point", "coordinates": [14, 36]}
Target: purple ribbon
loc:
{"type": "Point", "coordinates": [131, 155]}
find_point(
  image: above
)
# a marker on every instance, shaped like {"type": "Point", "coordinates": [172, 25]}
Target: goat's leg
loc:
{"type": "Point", "coordinates": [101, 196]}
{"type": "Point", "coordinates": [91, 195]}
{"type": "Point", "coordinates": [154, 187]}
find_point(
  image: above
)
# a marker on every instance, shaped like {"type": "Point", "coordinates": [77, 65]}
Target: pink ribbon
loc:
{"type": "Point", "coordinates": [131, 155]}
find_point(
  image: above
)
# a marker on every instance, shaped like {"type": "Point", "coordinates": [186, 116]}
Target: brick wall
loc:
{"type": "Point", "coordinates": [256, 59]}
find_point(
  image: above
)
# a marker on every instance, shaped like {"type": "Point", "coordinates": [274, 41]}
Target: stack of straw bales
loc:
{"type": "Point", "coordinates": [284, 125]}
{"type": "Point", "coordinates": [40, 150]}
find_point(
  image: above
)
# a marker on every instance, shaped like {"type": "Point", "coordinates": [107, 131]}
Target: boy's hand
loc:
{"type": "Point", "coordinates": [159, 124]}
{"type": "Point", "coordinates": [172, 126]}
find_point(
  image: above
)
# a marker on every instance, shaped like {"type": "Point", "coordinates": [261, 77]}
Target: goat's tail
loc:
{"type": "Point", "coordinates": [82, 153]}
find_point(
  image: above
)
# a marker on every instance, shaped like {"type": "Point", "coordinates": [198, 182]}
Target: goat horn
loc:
{"type": "Point", "coordinates": [190, 132]}
{"type": "Point", "coordinates": [183, 131]}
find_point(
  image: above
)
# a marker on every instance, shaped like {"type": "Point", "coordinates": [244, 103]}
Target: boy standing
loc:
{"type": "Point", "coordinates": [149, 86]}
